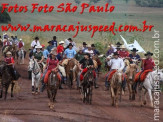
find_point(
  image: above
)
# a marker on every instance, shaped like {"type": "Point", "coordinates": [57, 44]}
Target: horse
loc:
{"type": "Point", "coordinates": [20, 56]}
{"type": "Point", "coordinates": [151, 83]}
{"type": "Point", "coordinates": [131, 72]}
{"type": "Point", "coordinates": [6, 79]}
{"type": "Point", "coordinates": [116, 87]}
{"type": "Point", "coordinates": [52, 87]}
{"type": "Point", "coordinates": [87, 86]}
{"type": "Point", "coordinates": [36, 74]}
{"type": "Point", "coordinates": [72, 70]}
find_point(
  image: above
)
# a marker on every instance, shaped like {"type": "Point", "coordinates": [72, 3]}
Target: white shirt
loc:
{"type": "Point", "coordinates": [116, 64]}
{"type": "Point", "coordinates": [35, 43]}
{"type": "Point", "coordinates": [89, 51]}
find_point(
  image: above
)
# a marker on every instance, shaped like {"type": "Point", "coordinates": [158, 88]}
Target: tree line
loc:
{"type": "Point", "coordinates": [4, 17]}
{"type": "Point", "coordinates": [142, 3]}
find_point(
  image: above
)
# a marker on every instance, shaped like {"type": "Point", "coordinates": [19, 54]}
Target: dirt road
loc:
{"type": "Point", "coordinates": [69, 107]}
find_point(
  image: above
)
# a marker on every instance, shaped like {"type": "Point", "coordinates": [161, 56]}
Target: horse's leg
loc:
{"type": "Point", "coordinates": [33, 83]}
{"type": "Point", "coordinates": [6, 91]}
{"type": "Point", "coordinates": [150, 96]}
{"type": "Point", "coordinates": [37, 84]}
{"type": "Point", "coordinates": [116, 96]}
{"type": "Point", "coordinates": [145, 97]}
{"type": "Point", "coordinates": [91, 94]}
{"type": "Point", "coordinates": [1, 90]}
{"type": "Point", "coordinates": [130, 91]}
{"type": "Point", "coordinates": [12, 87]}
{"type": "Point", "coordinates": [112, 95]}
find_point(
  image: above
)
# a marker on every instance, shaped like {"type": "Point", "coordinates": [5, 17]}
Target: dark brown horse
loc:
{"type": "Point", "coordinates": [52, 87]}
{"type": "Point", "coordinates": [6, 79]}
{"type": "Point", "coordinates": [87, 86]}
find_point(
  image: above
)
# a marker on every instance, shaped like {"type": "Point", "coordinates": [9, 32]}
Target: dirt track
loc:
{"type": "Point", "coordinates": [69, 107]}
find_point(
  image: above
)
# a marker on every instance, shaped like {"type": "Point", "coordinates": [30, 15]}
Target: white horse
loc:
{"type": "Point", "coordinates": [36, 74]}
{"type": "Point", "coordinates": [151, 83]}
{"type": "Point", "coordinates": [21, 56]}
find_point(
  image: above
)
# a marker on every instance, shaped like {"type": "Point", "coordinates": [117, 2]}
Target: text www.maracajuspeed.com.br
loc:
{"type": "Point", "coordinates": [77, 28]}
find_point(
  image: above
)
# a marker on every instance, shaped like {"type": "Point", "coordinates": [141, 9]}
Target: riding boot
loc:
{"type": "Point", "coordinates": [107, 87]}
{"type": "Point", "coordinates": [140, 85]}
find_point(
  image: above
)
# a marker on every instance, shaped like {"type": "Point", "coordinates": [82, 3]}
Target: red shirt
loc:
{"type": "Point", "coordinates": [60, 49]}
{"type": "Point", "coordinates": [52, 63]}
{"type": "Point", "coordinates": [148, 64]}
{"type": "Point", "coordinates": [123, 54]}
{"type": "Point", "coordinates": [20, 45]}
{"type": "Point", "coordinates": [9, 60]}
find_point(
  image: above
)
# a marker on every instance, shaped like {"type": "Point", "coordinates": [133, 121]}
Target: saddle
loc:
{"type": "Point", "coordinates": [140, 76]}
{"type": "Point", "coordinates": [111, 74]}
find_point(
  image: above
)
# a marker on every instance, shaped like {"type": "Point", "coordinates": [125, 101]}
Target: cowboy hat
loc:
{"type": "Point", "coordinates": [89, 45]}
{"type": "Point", "coordinates": [61, 42]}
{"type": "Point", "coordinates": [87, 54]}
{"type": "Point", "coordinates": [148, 53]}
{"type": "Point", "coordinates": [8, 53]}
{"type": "Point", "coordinates": [92, 45]}
{"type": "Point", "coordinates": [20, 39]}
{"type": "Point", "coordinates": [49, 42]}
{"type": "Point", "coordinates": [38, 47]}
{"type": "Point", "coordinates": [84, 43]}
{"type": "Point", "coordinates": [118, 43]}
{"type": "Point", "coordinates": [134, 50]}
{"type": "Point", "coordinates": [70, 44]}
{"type": "Point", "coordinates": [69, 39]}
{"type": "Point", "coordinates": [115, 53]}
{"type": "Point", "coordinates": [53, 53]}
{"type": "Point", "coordinates": [123, 46]}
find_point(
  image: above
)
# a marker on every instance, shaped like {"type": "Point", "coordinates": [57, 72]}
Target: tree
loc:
{"type": "Point", "coordinates": [77, 1]}
{"type": "Point", "coordinates": [4, 17]}
{"type": "Point", "coordinates": [149, 3]}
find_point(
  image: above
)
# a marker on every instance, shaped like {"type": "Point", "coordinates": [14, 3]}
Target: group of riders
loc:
{"type": "Point", "coordinates": [54, 54]}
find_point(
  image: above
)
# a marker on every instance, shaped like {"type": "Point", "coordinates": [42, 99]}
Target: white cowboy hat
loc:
{"type": "Point", "coordinates": [8, 53]}
{"type": "Point", "coordinates": [123, 46]}
{"type": "Point", "coordinates": [89, 45]}
{"type": "Point", "coordinates": [38, 47]}
{"type": "Point", "coordinates": [111, 45]}
{"type": "Point", "coordinates": [5, 34]}
{"type": "Point", "coordinates": [20, 39]}
{"type": "Point", "coordinates": [61, 42]}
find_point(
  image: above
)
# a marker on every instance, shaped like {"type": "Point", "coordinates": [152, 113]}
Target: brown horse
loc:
{"type": "Point", "coordinates": [72, 70]}
{"type": "Point", "coordinates": [52, 87]}
{"type": "Point", "coordinates": [87, 86]}
{"type": "Point", "coordinates": [131, 72]}
{"type": "Point", "coordinates": [6, 79]}
{"type": "Point", "coordinates": [116, 87]}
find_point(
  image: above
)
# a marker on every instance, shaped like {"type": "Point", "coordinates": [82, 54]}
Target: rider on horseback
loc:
{"type": "Point", "coordinates": [38, 55]}
{"type": "Point", "coordinates": [85, 63]}
{"type": "Point", "coordinates": [10, 63]}
{"type": "Point", "coordinates": [115, 63]}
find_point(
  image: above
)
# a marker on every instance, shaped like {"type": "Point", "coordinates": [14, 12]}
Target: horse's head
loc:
{"type": "Point", "coordinates": [31, 65]}
{"type": "Point", "coordinates": [90, 76]}
{"type": "Point", "coordinates": [131, 71]}
{"type": "Point", "coordinates": [160, 75]}
{"type": "Point", "coordinates": [119, 76]}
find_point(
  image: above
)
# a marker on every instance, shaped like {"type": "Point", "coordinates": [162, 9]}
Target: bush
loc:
{"type": "Point", "coordinates": [4, 17]}
{"type": "Point", "coordinates": [149, 3]}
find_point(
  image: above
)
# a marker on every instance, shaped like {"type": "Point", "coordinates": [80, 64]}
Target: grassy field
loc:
{"type": "Point", "coordinates": [123, 14]}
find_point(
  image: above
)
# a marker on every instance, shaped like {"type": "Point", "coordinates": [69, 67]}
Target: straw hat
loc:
{"type": "Point", "coordinates": [8, 53]}
{"type": "Point", "coordinates": [61, 42]}
{"type": "Point", "coordinates": [20, 39]}
{"type": "Point", "coordinates": [123, 46]}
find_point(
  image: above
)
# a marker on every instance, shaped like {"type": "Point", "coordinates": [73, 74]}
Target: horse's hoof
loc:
{"type": "Point", "coordinates": [144, 102]}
